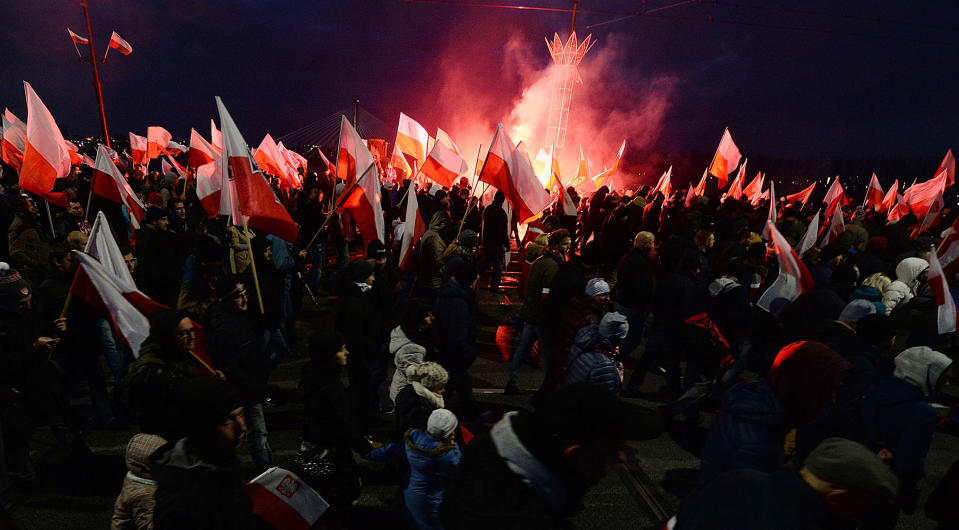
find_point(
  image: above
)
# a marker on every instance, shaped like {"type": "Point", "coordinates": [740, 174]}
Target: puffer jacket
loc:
{"type": "Point", "coordinates": [590, 360]}
{"type": "Point", "coordinates": [432, 462]}
{"type": "Point", "coordinates": [134, 506]}
{"type": "Point", "coordinates": [405, 353]}
{"type": "Point", "coordinates": [907, 279]}
{"type": "Point", "coordinates": [432, 246]}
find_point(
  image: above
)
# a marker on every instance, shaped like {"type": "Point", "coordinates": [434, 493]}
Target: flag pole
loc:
{"type": "Point", "coordinates": [476, 177]}
{"type": "Point", "coordinates": [50, 218]}
{"type": "Point", "coordinates": [335, 207]}
{"type": "Point", "coordinates": [96, 73]}
{"type": "Point", "coordinates": [256, 280]}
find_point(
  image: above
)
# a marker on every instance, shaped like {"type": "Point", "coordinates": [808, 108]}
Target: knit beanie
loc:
{"type": "Point", "coordinates": [429, 374]}
{"type": "Point", "coordinates": [154, 214]}
{"type": "Point", "coordinates": [12, 285]}
{"type": "Point", "coordinates": [441, 424]}
{"type": "Point", "coordinates": [596, 287]}
{"type": "Point", "coordinates": [359, 270]}
{"type": "Point", "coordinates": [614, 326]}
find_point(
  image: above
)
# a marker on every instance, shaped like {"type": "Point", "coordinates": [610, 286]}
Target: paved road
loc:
{"type": "Point", "coordinates": [637, 495]}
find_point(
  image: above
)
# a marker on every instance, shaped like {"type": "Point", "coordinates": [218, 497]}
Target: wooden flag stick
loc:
{"type": "Point", "coordinates": [256, 280]}
{"type": "Point", "coordinates": [203, 363]}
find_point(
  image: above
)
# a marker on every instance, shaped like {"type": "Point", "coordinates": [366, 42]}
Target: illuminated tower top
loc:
{"type": "Point", "coordinates": [566, 56]}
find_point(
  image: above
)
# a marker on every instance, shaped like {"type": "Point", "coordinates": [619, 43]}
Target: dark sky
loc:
{"type": "Point", "coordinates": [280, 65]}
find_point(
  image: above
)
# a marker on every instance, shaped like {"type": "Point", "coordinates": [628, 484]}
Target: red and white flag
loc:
{"type": "Point", "coordinates": [508, 168]}
{"type": "Point", "coordinates": [444, 163]}
{"type": "Point", "coordinates": [77, 40]}
{"type": "Point", "coordinates": [949, 166]}
{"type": "Point", "coordinates": [700, 189]}
{"type": "Point", "coordinates": [109, 183]}
{"type": "Point", "coordinates": [201, 152]}
{"type": "Point", "coordinates": [138, 149]}
{"type": "Point", "coordinates": [45, 156]}
{"type": "Point", "coordinates": [14, 140]}
{"type": "Point", "coordinates": [897, 211]}
{"type": "Point", "coordinates": [932, 217]}
{"type": "Point", "coordinates": [809, 238]}
{"type": "Point", "coordinates": [948, 250]}
{"type": "Point", "coordinates": [771, 217]}
{"type": "Point", "coordinates": [103, 280]}
{"type": "Point", "coordinates": [794, 278]}
{"type": "Point", "coordinates": [725, 160]}
{"type": "Point", "coordinates": [284, 500]}
{"type": "Point", "coordinates": [919, 197]}
{"type": "Point", "coordinates": [398, 162]}
{"type": "Point", "coordinates": [946, 312]}
{"type": "Point", "coordinates": [268, 157]}
{"type": "Point", "coordinates": [664, 185]}
{"type": "Point", "coordinates": [803, 196]}
{"type": "Point", "coordinates": [690, 194]}
{"type": "Point", "coordinates": [175, 148]}
{"type": "Point", "coordinates": [216, 137]}
{"type": "Point", "coordinates": [169, 165]}
{"type": "Point", "coordinates": [413, 229]}
{"type": "Point", "coordinates": [254, 198]}
{"type": "Point", "coordinates": [209, 187]}
{"type": "Point", "coordinates": [835, 197]}
{"type": "Point", "coordinates": [119, 44]}
{"type": "Point", "coordinates": [355, 165]}
{"type": "Point", "coordinates": [837, 226]}
{"type": "Point", "coordinates": [736, 188]}
{"type": "Point", "coordinates": [158, 139]}
{"type": "Point", "coordinates": [754, 189]}
{"type": "Point", "coordinates": [889, 201]}
{"type": "Point", "coordinates": [412, 138]}
{"type": "Point", "coordinates": [874, 194]}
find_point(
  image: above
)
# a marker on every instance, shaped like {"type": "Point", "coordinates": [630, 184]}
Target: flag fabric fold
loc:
{"type": "Point", "coordinates": [119, 44]}
{"type": "Point", "coordinates": [412, 139]}
{"type": "Point", "coordinates": [138, 149]}
{"type": "Point", "coordinates": [874, 194]}
{"type": "Point", "coordinates": [413, 229]}
{"type": "Point", "coordinates": [794, 278]}
{"type": "Point", "coordinates": [946, 310]}
{"type": "Point", "coordinates": [355, 165]}
{"type": "Point", "coordinates": [158, 139]}
{"type": "Point", "coordinates": [835, 197]}
{"type": "Point", "coordinates": [268, 157]}
{"type": "Point", "coordinates": [14, 140]}
{"type": "Point", "coordinates": [78, 40]}
{"type": "Point", "coordinates": [771, 217]}
{"type": "Point", "coordinates": [45, 156]}
{"type": "Point", "coordinates": [949, 166]}
{"type": "Point", "coordinates": [725, 160]}
{"type": "Point", "coordinates": [109, 183]}
{"type": "Point", "coordinates": [507, 168]}
{"type": "Point", "coordinates": [201, 152]}
{"type": "Point", "coordinates": [803, 196]}
{"type": "Point", "coordinates": [736, 188]}
{"type": "Point", "coordinates": [889, 201]}
{"type": "Point", "coordinates": [808, 240]}
{"type": "Point", "coordinates": [920, 196]}
{"type": "Point", "coordinates": [444, 163]}
{"type": "Point", "coordinates": [284, 500]}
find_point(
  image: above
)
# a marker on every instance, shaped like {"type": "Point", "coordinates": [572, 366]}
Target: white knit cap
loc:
{"type": "Point", "coordinates": [441, 424]}
{"type": "Point", "coordinates": [614, 326]}
{"type": "Point", "coordinates": [596, 287]}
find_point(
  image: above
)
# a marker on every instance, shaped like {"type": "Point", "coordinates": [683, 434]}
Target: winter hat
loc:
{"type": "Point", "coordinates": [339, 189]}
{"type": "Point", "coordinates": [154, 199]}
{"type": "Point", "coordinates": [429, 374]}
{"type": "Point", "coordinates": [139, 449]}
{"type": "Point", "coordinates": [12, 286]}
{"type": "Point", "coordinates": [441, 424]}
{"type": "Point", "coordinates": [849, 465]}
{"type": "Point", "coordinates": [805, 376]}
{"type": "Point", "coordinates": [468, 238]}
{"type": "Point", "coordinates": [614, 326]}
{"type": "Point", "coordinates": [921, 366]}
{"type": "Point", "coordinates": [596, 287]}
{"type": "Point", "coordinates": [855, 310]}
{"type": "Point", "coordinates": [359, 270]}
{"type": "Point", "coordinates": [205, 402]}
{"type": "Point", "coordinates": [375, 250]}
{"type": "Point", "coordinates": [154, 214]}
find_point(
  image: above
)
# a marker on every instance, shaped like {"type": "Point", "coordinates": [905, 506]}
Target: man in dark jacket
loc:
{"type": "Point", "coordinates": [634, 288]}
{"type": "Point", "coordinates": [359, 321]}
{"type": "Point", "coordinates": [455, 311]}
{"type": "Point", "coordinates": [157, 258]}
{"type": "Point", "coordinates": [495, 240]}
{"type": "Point", "coordinates": [237, 349]}
{"type": "Point", "coordinates": [532, 470]}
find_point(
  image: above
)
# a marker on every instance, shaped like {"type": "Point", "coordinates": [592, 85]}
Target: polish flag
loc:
{"type": "Point", "coordinates": [605, 178]}
{"type": "Point", "coordinates": [897, 211]}
{"type": "Point", "coordinates": [809, 238]}
{"type": "Point", "coordinates": [103, 280]}
{"type": "Point", "coordinates": [175, 148]}
{"type": "Point", "coordinates": [169, 165]}
{"type": "Point", "coordinates": [355, 165]}
{"type": "Point", "coordinates": [109, 183]}
{"type": "Point", "coordinates": [201, 152]}
{"type": "Point", "coordinates": [803, 196]}
{"type": "Point", "coordinates": [86, 160]}
{"type": "Point", "coordinates": [932, 217]}
{"type": "Point", "coordinates": [412, 139]}
{"type": "Point", "coordinates": [45, 156]}
{"type": "Point", "coordinates": [209, 186]}
{"type": "Point", "coordinates": [946, 312]}
{"type": "Point", "coordinates": [949, 166]}
{"type": "Point", "coordinates": [948, 250]}
{"type": "Point", "coordinates": [158, 139]}
{"type": "Point", "coordinates": [755, 187]}
{"type": "Point", "coordinates": [664, 185]}
{"type": "Point", "coordinates": [725, 160]}
{"type": "Point", "coordinates": [889, 201]}
{"type": "Point", "coordinates": [835, 197]}
{"type": "Point", "coordinates": [216, 137]}
{"type": "Point", "coordinates": [138, 148]}
{"type": "Point", "coordinates": [413, 229]}
{"type": "Point", "coordinates": [874, 194]}
{"type": "Point", "coordinates": [119, 44]}
{"type": "Point", "coordinates": [284, 500]}
{"type": "Point", "coordinates": [74, 152]}
{"type": "Point", "coordinates": [296, 159]}
{"type": "Point", "coordinates": [268, 157]}
{"type": "Point", "coordinates": [508, 168]}
{"type": "Point", "coordinates": [293, 161]}
{"type": "Point", "coordinates": [771, 217]}
{"type": "Point", "coordinates": [690, 194]}
{"type": "Point", "coordinates": [398, 161]}
{"type": "Point", "coordinates": [794, 278]}
{"type": "Point", "coordinates": [920, 196]}
{"type": "Point", "coordinates": [444, 163]}
{"type": "Point", "coordinates": [77, 39]}
{"type": "Point", "coordinates": [736, 188]}
{"type": "Point", "coordinates": [255, 199]}
{"type": "Point", "coordinates": [14, 140]}
{"type": "Point", "coordinates": [836, 226]}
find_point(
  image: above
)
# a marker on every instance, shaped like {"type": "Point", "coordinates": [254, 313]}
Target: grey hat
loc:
{"type": "Point", "coordinates": [596, 287]}
{"type": "Point", "coordinates": [855, 310]}
{"type": "Point", "coordinates": [851, 465]}
{"type": "Point", "coordinates": [441, 423]}
{"type": "Point", "coordinates": [614, 326]}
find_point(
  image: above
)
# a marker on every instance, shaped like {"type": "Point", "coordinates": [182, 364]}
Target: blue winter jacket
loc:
{"type": "Point", "coordinates": [748, 432]}
{"type": "Point", "coordinates": [431, 466]}
{"type": "Point", "coordinates": [590, 362]}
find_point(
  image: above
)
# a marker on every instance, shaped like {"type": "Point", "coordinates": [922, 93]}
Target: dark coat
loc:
{"type": "Point", "coordinates": [359, 321]}
{"type": "Point", "coordinates": [541, 276]}
{"type": "Point", "coordinates": [236, 349]}
{"type": "Point", "coordinates": [412, 410]}
{"type": "Point", "coordinates": [495, 229]}
{"type": "Point", "coordinates": [590, 360]}
{"type": "Point", "coordinates": [158, 268]}
{"type": "Point", "coordinates": [328, 415]}
{"type": "Point", "coordinates": [455, 326]}
{"type": "Point", "coordinates": [634, 281]}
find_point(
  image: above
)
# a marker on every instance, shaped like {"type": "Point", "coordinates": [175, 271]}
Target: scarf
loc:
{"type": "Point", "coordinates": [364, 287]}
{"type": "Point", "coordinates": [435, 399]}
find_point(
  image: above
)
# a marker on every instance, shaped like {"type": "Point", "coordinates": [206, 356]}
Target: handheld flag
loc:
{"type": "Point", "coordinates": [45, 157]}
{"type": "Point", "coordinates": [413, 229]}
{"type": "Point", "coordinates": [119, 44]}
{"type": "Point", "coordinates": [794, 278]}
{"type": "Point", "coordinates": [725, 160]}
{"type": "Point", "coordinates": [507, 168]}
{"type": "Point", "coordinates": [284, 500]}
{"type": "Point", "coordinates": [110, 184]}
{"type": "Point", "coordinates": [946, 311]}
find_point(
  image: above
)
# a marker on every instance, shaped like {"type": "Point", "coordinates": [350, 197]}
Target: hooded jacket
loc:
{"type": "Point", "coordinates": [906, 283]}
{"type": "Point", "coordinates": [432, 462]}
{"type": "Point", "coordinates": [590, 360]}
{"type": "Point", "coordinates": [405, 353]}
{"type": "Point", "coordinates": [134, 506]}
{"type": "Point", "coordinates": [432, 247]}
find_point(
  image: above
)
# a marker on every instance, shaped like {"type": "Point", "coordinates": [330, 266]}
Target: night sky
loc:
{"type": "Point", "coordinates": [889, 90]}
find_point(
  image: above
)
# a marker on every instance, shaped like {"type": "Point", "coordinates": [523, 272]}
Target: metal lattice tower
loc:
{"type": "Point", "coordinates": [567, 57]}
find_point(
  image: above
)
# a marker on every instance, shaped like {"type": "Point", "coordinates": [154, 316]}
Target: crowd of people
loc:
{"type": "Point", "coordinates": [823, 412]}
